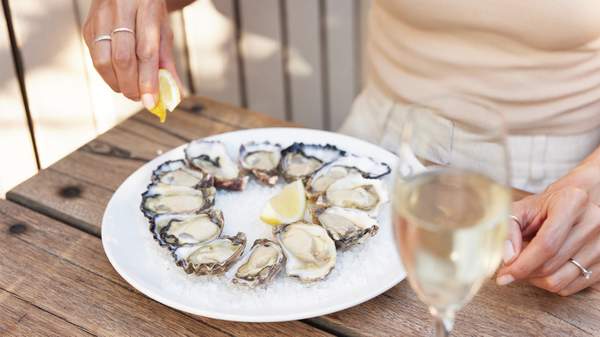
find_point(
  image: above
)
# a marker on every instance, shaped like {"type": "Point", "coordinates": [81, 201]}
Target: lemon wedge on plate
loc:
{"type": "Point", "coordinates": [169, 96]}
{"type": "Point", "coordinates": [287, 206]}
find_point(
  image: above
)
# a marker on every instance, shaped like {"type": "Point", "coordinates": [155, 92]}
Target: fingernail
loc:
{"type": "Point", "coordinates": [504, 280]}
{"type": "Point", "coordinates": [148, 101]}
{"type": "Point", "coordinates": [509, 251]}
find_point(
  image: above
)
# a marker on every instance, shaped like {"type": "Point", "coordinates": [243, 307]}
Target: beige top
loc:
{"type": "Point", "coordinates": [537, 61]}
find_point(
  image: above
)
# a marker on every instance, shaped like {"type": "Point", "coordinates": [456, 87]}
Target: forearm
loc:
{"type": "Point", "coordinates": [173, 5]}
{"type": "Point", "coordinates": [585, 175]}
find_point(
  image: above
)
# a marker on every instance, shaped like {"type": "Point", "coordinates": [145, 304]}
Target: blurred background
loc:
{"type": "Point", "coordinates": [299, 60]}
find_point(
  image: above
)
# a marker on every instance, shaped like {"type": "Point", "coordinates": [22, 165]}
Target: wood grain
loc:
{"type": "Point", "coordinates": [64, 272]}
{"type": "Point", "coordinates": [519, 310]}
{"type": "Point", "coordinates": [20, 318]}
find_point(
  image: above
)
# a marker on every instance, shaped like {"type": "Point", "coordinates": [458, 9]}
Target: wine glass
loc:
{"type": "Point", "coordinates": [451, 203]}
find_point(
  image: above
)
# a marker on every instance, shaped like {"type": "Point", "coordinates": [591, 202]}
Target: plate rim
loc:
{"type": "Point", "coordinates": [401, 275]}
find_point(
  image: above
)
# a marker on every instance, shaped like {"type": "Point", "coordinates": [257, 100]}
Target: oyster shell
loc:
{"type": "Point", "coordinates": [161, 198]}
{"type": "Point", "coordinates": [309, 250]}
{"type": "Point", "coordinates": [340, 168]}
{"type": "Point", "coordinates": [174, 230]}
{"type": "Point", "coordinates": [212, 258]}
{"type": "Point", "coordinates": [354, 191]}
{"type": "Point", "coordinates": [265, 261]}
{"type": "Point", "coordinates": [177, 172]}
{"type": "Point", "coordinates": [211, 158]}
{"type": "Point", "coordinates": [262, 159]}
{"type": "Point", "coordinates": [300, 160]}
{"type": "Point", "coordinates": [346, 226]}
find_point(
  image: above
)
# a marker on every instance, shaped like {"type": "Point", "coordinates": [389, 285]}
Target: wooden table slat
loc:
{"type": "Point", "coordinates": [98, 168]}
{"type": "Point", "coordinates": [20, 318]}
{"type": "Point", "coordinates": [64, 271]}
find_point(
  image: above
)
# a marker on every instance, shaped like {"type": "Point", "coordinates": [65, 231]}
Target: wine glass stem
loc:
{"type": "Point", "coordinates": [444, 321]}
{"type": "Point", "coordinates": [441, 330]}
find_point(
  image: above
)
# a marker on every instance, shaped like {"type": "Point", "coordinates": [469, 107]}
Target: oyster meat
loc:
{"type": "Point", "coordinates": [265, 261]}
{"type": "Point", "coordinates": [354, 191]}
{"type": "Point", "coordinates": [174, 230]}
{"type": "Point", "coordinates": [177, 172]}
{"type": "Point", "coordinates": [211, 158]}
{"type": "Point", "coordinates": [340, 168]}
{"type": "Point", "coordinates": [262, 159]}
{"type": "Point", "coordinates": [310, 252]}
{"type": "Point", "coordinates": [346, 226]}
{"type": "Point", "coordinates": [300, 160]}
{"type": "Point", "coordinates": [161, 198]}
{"type": "Point", "coordinates": [212, 258]}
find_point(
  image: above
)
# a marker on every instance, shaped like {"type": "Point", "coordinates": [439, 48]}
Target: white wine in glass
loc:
{"type": "Point", "coordinates": [451, 204]}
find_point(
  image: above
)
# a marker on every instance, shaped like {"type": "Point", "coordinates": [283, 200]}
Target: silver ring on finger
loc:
{"type": "Point", "coordinates": [102, 37]}
{"type": "Point", "coordinates": [587, 274]}
{"type": "Point", "coordinates": [123, 30]}
{"type": "Point", "coordinates": [517, 221]}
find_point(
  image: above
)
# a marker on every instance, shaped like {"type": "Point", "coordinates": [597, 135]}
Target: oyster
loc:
{"type": "Point", "coordinates": [300, 160]}
{"type": "Point", "coordinates": [176, 230]}
{"type": "Point", "coordinates": [262, 159]}
{"type": "Point", "coordinates": [161, 198]}
{"type": "Point", "coordinates": [212, 258]}
{"type": "Point", "coordinates": [346, 226]}
{"type": "Point", "coordinates": [310, 252]}
{"type": "Point", "coordinates": [177, 172]}
{"type": "Point", "coordinates": [211, 158]}
{"type": "Point", "coordinates": [354, 191]}
{"type": "Point", "coordinates": [340, 168]}
{"type": "Point", "coordinates": [265, 261]}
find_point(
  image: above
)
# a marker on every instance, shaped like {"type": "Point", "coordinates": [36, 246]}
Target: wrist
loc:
{"type": "Point", "coordinates": [584, 176]}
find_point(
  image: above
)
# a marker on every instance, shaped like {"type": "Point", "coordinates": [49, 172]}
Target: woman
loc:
{"type": "Point", "coordinates": [536, 61]}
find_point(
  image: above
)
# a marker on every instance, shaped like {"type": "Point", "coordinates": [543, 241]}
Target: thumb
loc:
{"type": "Point", "coordinates": [516, 224]}
{"type": "Point", "coordinates": [514, 240]}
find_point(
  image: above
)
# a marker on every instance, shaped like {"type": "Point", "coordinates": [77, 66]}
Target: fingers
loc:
{"type": "Point", "coordinates": [581, 282]}
{"type": "Point", "coordinates": [148, 36]}
{"type": "Point", "coordinates": [562, 208]}
{"type": "Point", "coordinates": [102, 51]}
{"type": "Point", "coordinates": [123, 49]}
{"type": "Point", "coordinates": [588, 227]}
{"type": "Point", "coordinates": [569, 272]}
{"type": "Point", "coordinates": [166, 59]}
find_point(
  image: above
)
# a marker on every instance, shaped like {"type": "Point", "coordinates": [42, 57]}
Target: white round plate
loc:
{"type": "Point", "coordinates": [360, 274]}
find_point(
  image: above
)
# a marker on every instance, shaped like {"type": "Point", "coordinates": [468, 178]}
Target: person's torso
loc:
{"type": "Point", "coordinates": [537, 61]}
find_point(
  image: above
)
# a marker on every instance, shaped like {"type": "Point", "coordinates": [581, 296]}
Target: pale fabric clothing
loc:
{"type": "Point", "coordinates": [537, 61]}
{"type": "Point", "coordinates": [535, 160]}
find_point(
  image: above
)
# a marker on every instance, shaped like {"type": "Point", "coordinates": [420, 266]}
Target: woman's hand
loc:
{"type": "Point", "coordinates": [558, 224]}
{"type": "Point", "coordinates": [129, 62]}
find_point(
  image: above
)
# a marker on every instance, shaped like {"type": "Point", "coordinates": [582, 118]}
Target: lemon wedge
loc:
{"type": "Point", "coordinates": [169, 96]}
{"type": "Point", "coordinates": [287, 206]}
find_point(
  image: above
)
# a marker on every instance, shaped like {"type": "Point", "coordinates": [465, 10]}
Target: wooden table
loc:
{"type": "Point", "coordinates": [56, 280]}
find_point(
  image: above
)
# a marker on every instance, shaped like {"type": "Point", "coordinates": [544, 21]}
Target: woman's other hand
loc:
{"type": "Point", "coordinates": [129, 61]}
{"type": "Point", "coordinates": [557, 225]}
